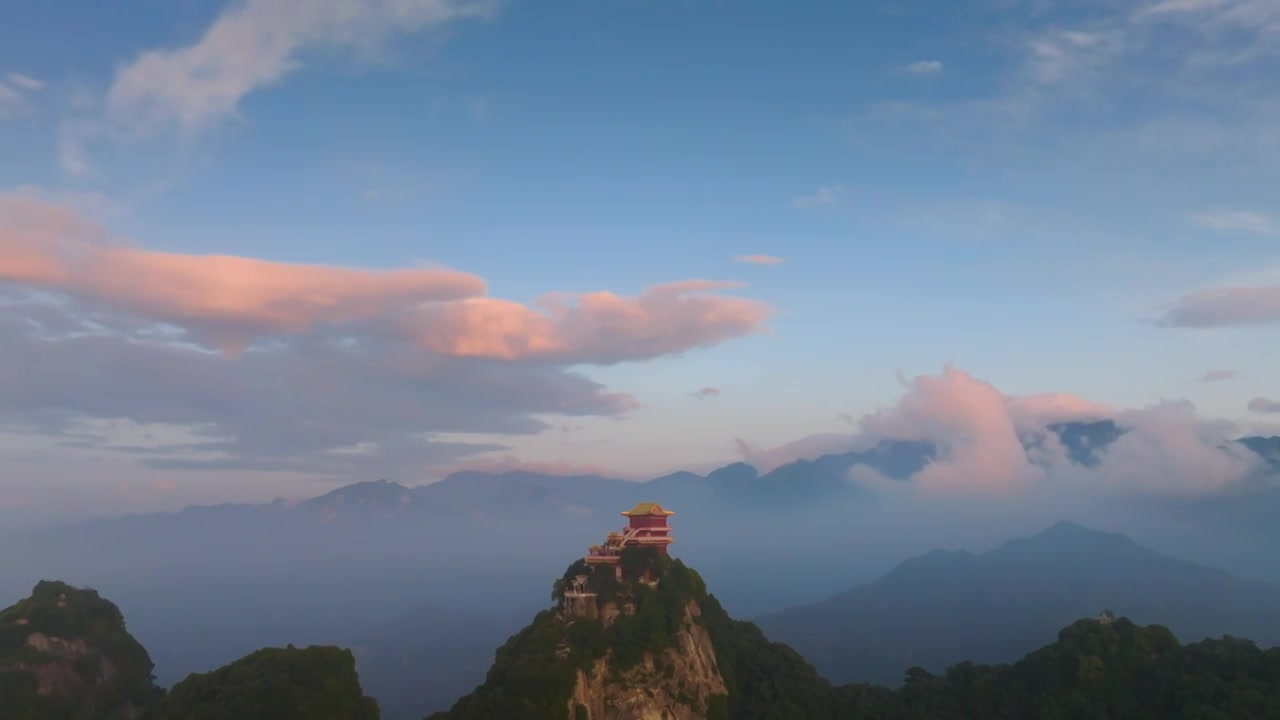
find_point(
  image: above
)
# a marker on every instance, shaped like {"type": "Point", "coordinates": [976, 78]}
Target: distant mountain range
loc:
{"type": "Point", "coordinates": [738, 486]}
{"type": "Point", "coordinates": [352, 566]}
{"type": "Point", "coordinates": [944, 607]}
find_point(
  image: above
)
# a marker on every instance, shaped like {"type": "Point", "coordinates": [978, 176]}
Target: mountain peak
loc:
{"type": "Point", "coordinates": [1073, 531]}
{"type": "Point", "coordinates": [71, 656]}
{"type": "Point", "coordinates": [734, 472]}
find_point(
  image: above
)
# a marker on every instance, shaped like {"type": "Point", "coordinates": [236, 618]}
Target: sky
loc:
{"type": "Point", "coordinates": [260, 249]}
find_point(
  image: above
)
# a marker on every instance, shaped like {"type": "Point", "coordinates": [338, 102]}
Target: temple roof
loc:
{"type": "Point", "coordinates": [647, 509]}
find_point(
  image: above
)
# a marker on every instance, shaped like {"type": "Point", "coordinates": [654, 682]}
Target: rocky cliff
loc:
{"type": "Point", "coordinates": [65, 652]}
{"type": "Point", "coordinates": [653, 645]}
{"type": "Point", "coordinates": [678, 683]}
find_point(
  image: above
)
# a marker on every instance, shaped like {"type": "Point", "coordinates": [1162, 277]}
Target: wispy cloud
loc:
{"type": "Point", "coordinates": [825, 195]}
{"type": "Point", "coordinates": [1219, 375]}
{"type": "Point", "coordinates": [250, 46]}
{"type": "Point", "coordinates": [11, 101]}
{"type": "Point", "coordinates": [923, 67]}
{"type": "Point", "coordinates": [1226, 306]}
{"type": "Point", "coordinates": [26, 82]}
{"type": "Point", "coordinates": [1064, 55]}
{"type": "Point", "coordinates": [706, 393]}
{"type": "Point", "coordinates": [1264, 405]}
{"type": "Point", "coordinates": [759, 259]}
{"type": "Point", "coordinates": [1238, 221]}
{"type": "Point", "coordinates": [14, 89]}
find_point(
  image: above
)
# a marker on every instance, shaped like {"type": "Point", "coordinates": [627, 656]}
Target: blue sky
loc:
{"type": "Point", "coordinates": [1028, 190]}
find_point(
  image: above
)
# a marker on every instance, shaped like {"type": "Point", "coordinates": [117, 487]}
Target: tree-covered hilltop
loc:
{"type": "Point", "coordinates": [534, 673]}
{"type": "Point", "coordinates": [1109, 670]}
{"type": "Point", "coordinates": [1102, 669]}
{"type": "Point", "coordinates": [65, 654]}
{"type": "Point", "coordinates": [314, 683]}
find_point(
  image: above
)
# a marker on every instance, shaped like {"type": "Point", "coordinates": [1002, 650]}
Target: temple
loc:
{"type": "Point", "coordinates": [647, 528]}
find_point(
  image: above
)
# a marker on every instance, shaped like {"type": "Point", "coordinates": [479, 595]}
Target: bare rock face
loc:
{"type": "Point", "coordinates": [678, 684]}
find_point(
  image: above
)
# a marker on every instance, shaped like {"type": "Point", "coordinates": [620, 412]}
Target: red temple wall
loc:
{"type": "Point", "coordinates": [648, 521]}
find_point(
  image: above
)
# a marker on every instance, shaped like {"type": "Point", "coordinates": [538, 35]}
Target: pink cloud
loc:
{"type": "Point", "coordinates": [1217, 375]}
{"type": "Point", "coordinates": [231, 301]}
{"type": "Point", "coordinates": [599, 328]}
{"type": "Point", "coordinates": [1033, 412]}
{"type": "Point", "coordinates": [971, 424]}
{"type": "Point", "coordinates": [981, 436]}
{"type": "Point", "coordinates": [233, 298]}
{"type": "Point", "coordinates": [1226, 306]}
{"type": "Point", "coordinates": [760, 259]}
{"type": "Point", "coordinates": [1264, 405]}
{"type": "Point", "coordinates": [1168, 448]}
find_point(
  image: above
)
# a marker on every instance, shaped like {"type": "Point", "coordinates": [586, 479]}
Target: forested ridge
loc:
{"type": "Point", "coordinates": [1100, 668]}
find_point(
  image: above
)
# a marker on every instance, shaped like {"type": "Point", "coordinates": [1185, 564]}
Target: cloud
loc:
{"type": "Point", "coordinates": [806, 448]}
{"type": "Point", "coordinates": [1238, 221]}
{"type": "Point", "coordinates": [1225, 307]}
{"type": "Point", "coordinates": [229, 302]}
{"type": "Point", "coordinates": [232, 299]}
{"type": "Point", "coordinates": [1264, 405]}
{"type": "Point", "coordinates": [989, 443]}
{"type": "Point", "coordinates": [253, 45]}
{"type": "Point", "coordinates": [325, 371]}
{"type": "Point", "coordinates": [1061, 56]}
{"type": "Point", "coordinates": [826, 195]}
{"type": "Point", "coordinates": [1167, 449]}
{"type": "Point", "coordinates": [1214, 15]}
{"type": "Point", "coordinates": [509, 463]}
{"type": "Point", "coordinates": [706, 393]}
{"type": "Point", "coordinates": [250, 46]}
{"type": "Point", "coordinates": [599, 328]}
{"type": "Point", "coordinates": [26, 82]}
{"type": "Point", "coordinates": [1217, 375]}
{"type": "Point", "coordinates": [11, 101]}
{"type": "Point", "coordinates": [923, 67]}
{"type": "Point", "coordinates": [759, 259]}
{"type": "Point", "coordinates": [971, 424]}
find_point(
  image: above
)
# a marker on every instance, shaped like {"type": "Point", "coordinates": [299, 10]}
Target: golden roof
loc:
{"type": "Point", "coordinates": [642, 509]}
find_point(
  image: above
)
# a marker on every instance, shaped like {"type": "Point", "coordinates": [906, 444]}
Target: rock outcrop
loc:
{"type": "Point", "coordinates": [650, 645]}
{"type": "Point", "coordinates": [678, 683]}
{"type": "Point", "coordinates": [65, 652]}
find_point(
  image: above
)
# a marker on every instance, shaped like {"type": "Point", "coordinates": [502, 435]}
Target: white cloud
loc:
{"type": "Point", "coordinates": [923, 67]}
{"type": "Point", "coordinates": [26, 82]}
{"type": "Point", "coordinates": [1065, 55]}
{"type": "Point", "coordinates": [1238, 221]}
{"type": "Point", "coordinates": [252, 45]}
{"type": "Point", "coordinates": [255, 45]}
{"type": "Point", "coordinates": [11, 101]}
{"type": "Point", "coordinates": [826, 195]}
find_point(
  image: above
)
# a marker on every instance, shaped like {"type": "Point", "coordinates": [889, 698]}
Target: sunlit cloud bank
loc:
{"type": "Point", "coordinates": [334, 371]}
{"type": "Point", "coordinates": [990, 443]}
